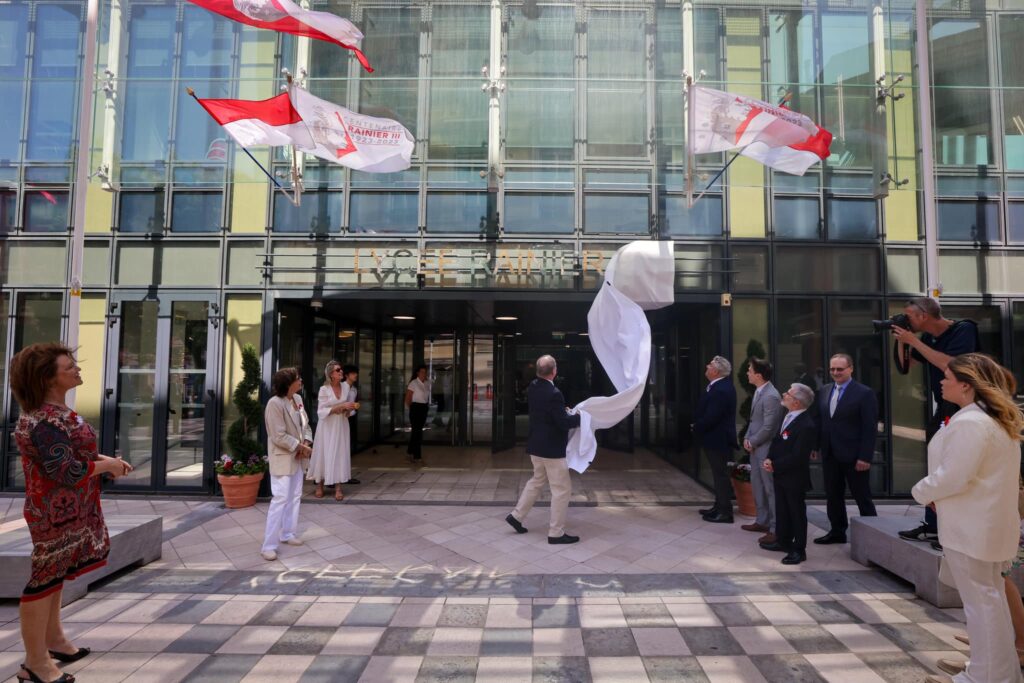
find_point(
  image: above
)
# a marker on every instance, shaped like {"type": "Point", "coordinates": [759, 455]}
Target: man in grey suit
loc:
{"type": "Point", "coordinates": [766, 415]}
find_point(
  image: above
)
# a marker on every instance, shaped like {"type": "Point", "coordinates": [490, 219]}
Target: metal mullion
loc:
{"type": "Point", "coordinates": [5, 432]}
{"type": "Point", "coordinates": [158, 459]}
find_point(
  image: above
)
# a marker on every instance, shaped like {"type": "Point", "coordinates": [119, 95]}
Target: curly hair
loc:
{"type": "Point", "coordinates": [283, 379]}
{"type": "Point", "coordinates": [32, 370]}
{"type": "Point", "coordinates": [994, 387]}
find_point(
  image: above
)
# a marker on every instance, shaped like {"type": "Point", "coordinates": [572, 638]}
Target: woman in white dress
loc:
{"type": "Point", "coordinates": [331, 460]}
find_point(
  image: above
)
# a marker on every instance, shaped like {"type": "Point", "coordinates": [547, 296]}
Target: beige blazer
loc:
{"type": "Point", "coordinates": [973, 467]}
{"type": "Point", "coordinates": [286, 430]}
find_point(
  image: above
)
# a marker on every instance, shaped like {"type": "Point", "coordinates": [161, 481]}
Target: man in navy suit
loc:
{"type": "Point", "coordinates": [550, 423]}
{"type": "Point", "coordinates": [715, 429]}
{"type": "Point", "coordinates": [789, 461]}
{"type": "Point", "coordinates": [848, 425]}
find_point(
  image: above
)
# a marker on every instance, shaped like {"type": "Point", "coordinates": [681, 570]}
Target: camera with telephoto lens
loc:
{"type": "Point", "coordinates": [898, 320]}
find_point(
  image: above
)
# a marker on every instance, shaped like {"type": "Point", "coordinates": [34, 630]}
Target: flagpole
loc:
{"type": "Point", "coordinates": [689, 142]}
{"type": "Point", "coordinates": [267, 173]}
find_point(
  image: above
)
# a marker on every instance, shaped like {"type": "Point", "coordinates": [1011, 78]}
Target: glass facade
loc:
{"type": "Point", "coordinates": [190, 254]}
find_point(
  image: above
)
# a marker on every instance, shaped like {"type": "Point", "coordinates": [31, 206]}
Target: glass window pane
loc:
{"type": "Point", "coordinates": [52, 109]}
{"type": "Point", "coordinates": [962, 106]}
{"type": "Point", "coordinates": [969, 221]}
{"type": "Point", "coordinates": [13, 37]}
{"type": "Point", "coordinates": [545, 213]}
{"type": "Point", "coordinates": [207, 44]}
{"type": "Point", "coordinates": [393, 44]}
{"type": "Point", "coordinates": [384, 212]}
{"type": "Point", "coordinates": [1018, 344]}
{"type": "Point", "coordinates": [800, 346]}
{"type": "Point", "coordinates": [195, 130]}
{"type": "Point", "coordinates": [705, 219]}
{"type": "Point", "coordinates": [617, 213]}
{"type": "Point", "coordinates": [792, 66]}
{"type": "Point", "coordinates": [749, 339]}
{"type": "Point", "coordinates": [320, 212]}
{"type": "Point", "coordinates": [151, 35]}
{"type": "Point", "coordinates": [456, 211]}
{"type": "Point", "coordinates": [990, 326]}
{"type": "Point", "coordinates": [141, 212]}
{"type": "Point", "coordinates": [8, 210]}
{"type": "Point", "coordinates": [146, 124]}
{"type": "Point", "coordinates": [136, 389]}
{"type": "Point", "coordinates": [46, 211]}
{"type": "Point", "coordinates": [850, 109]}
{"type": "Point", "coordinates": [797, 218]}
{"type": "Point", "coordinates": [852, 219]}
{"type": "Point", "coordinates": [196, 211]}
{"type": "Point", "coordinates": [1015, 221]}
{"type": "Point", "coordinates": [12, 103]}
{"type": "Point", "coordinates": [186, 393]}
{"type": "Point", "coordinates": [827, 269]}
{"type": "Point", "coordinates": [458, 109]}
{"type": "Point", "coordinates": [1011, 37]}
{"type": "Point", "coordinates": [616, 84]}
{"type": "Point", "coordinates": [56, 42]}
{"type": "Point", "coordinates": [751, 269]}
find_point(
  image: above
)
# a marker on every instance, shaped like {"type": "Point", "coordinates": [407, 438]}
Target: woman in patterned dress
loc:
{"type": "Point", "coordinates": [62, 501]}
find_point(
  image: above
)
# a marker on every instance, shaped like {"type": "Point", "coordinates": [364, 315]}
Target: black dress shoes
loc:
{"type": "Point", "coordinates": [563, 539]}
{"type": "Point", "coordinates": [708, 511]}
{"type": "Point", "coordinates": [718, 518]}
{"type": "Point", "coordinates": [774, 547]}
{"type": "Point", "coordinates": [353, 482]}
{"type": "Point", "coordinates": [830, 538]}
{"type": "Point", "coordinates": [516, 524]}
{"type": "Point", "coordinates": [794, 557]}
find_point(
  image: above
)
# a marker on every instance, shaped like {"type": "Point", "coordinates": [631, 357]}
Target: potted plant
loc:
{"type": "Point", "coordinates": [740, 477]}
{"type": "Point", "coordinates": [241, 472]}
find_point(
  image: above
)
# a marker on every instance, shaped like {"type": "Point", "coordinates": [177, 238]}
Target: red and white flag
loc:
{"type": "Point", "coordinates": [365, 143]}
{"type": "Point", "coordinates": [271, 122]}
{"type": "Point", "coordinates": [288, 17]}
{"type": "Point", "coordinates": [722, 121]}
{"type": "Point", "coordinates": [795, 159]}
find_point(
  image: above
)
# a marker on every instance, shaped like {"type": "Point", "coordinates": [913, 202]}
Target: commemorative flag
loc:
{"type": "Point", "coordinates": [722, 121]}
{"type": "Point", "coordinates": [271, 122]}
{"type": "Point", "coordinates": [794, 159]}
{"type": "Point", "coordinates": [364, 143]}
{"type": "Point", "coordinates": [288, 17]}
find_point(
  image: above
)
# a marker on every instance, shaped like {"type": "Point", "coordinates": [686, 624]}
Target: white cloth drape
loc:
{"type": "Point", "coordinates": [640, 276]}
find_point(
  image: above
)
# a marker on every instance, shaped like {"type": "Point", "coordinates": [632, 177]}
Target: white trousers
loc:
{"type": "Point", "coordinates": [283, 515]}
{"type": "Point", "coordinates": [989, 627]}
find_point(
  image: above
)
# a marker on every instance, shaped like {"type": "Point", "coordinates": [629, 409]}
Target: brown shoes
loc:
{"type": "Point", "coordinates": [767, 539]}
{"type": "Point", "coordinates": [759, 528]}
{"type": "Point", "coordinates": [951, 666]}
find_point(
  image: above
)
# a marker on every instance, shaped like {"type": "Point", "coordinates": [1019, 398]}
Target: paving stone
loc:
{"type": "Point", "coordinates": [370, 614]}
{"type": "Point", "coordinates": [189, 612]}
{"type": "Point", "coordinates": [507, 642]}
{"type": "Point", "coordinates": [202, 639]}
{"type": "Point", "coordinates": [807, 639]}
{"type": "Point", "coordinates": [895, 667]}
{"type": "Point", "coordinates": [829, 612]}
{"type": "Point", "coordinates": [466, 616]}
{"type": "Point", "coordinates": [789, 668]}
{"type": "Point", "coordinates": [447, 670]}
{"type": "Point", "coordinates": [911, 637]}
{"type": "Point", "coordinates": [302, 640]}
{"type": "Point", "coordinates": [674, 670]}
{"type": "Point", "coordinates": [400, 641]}
{"type": "Point", "coordinates": [609, 642]}
{"type": "Point", "coordinates": [279, 614]}
{"type": "Point", "coordinates": [918, 610]}
{"type": "Point", "coordinates": [561, 670]}
{"type": "Point", "coordinates": [739, 614]}
{"type": "Point", "coordinates": [222, 669]}
{"type": "Point", "coordinates": [556, 616]}
{"type": "Point", "coordinates": [647, 616]}
{"type": "Point", "coordinates": [713, 640]}
{"type": "Point", "coordinates": [334, 669]}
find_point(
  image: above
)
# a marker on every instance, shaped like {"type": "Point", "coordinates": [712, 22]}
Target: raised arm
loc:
{"type": "Point", "coordinates": [55, 454]}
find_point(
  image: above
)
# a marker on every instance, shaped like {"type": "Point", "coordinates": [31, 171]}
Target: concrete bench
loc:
{"type": "Point", "coordinates": [135, 540]}
{"type": "Point", "coordinates": [874, 541]}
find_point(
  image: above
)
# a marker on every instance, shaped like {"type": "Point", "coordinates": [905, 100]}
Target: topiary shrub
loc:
{"type": "Point", "coordinates": [242, 432]}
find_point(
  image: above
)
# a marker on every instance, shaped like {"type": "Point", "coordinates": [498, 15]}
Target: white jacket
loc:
{"type": "Point", "coordinates": [286, 430]}
{"type": "Point", "coordinates": [973, 467]}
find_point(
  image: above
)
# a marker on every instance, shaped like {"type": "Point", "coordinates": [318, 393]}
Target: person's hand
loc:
{"type": "Point", "coordinates": [348, 405]}
{"type": "Point", "coordinates": [746, 445]}
{"type": "Point", "coordinates": [904, 336]}
{"type": "Point", "coordinates": [815, 455]}
{"type": "Point", "coordinates": [303, 451]}
{"type": "Point", "coordinates": [767, 465]}
{"type": "Point", "coordinates": [862, 466]}
{"type": "Point", "coordinates": [931, 506]}
{"type": "Point", "coordinates": [115, 467]}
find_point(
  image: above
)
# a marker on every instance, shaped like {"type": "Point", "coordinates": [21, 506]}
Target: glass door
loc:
{"type": "Point", "coordinates": [481, 387]}
{"type": "Point", "coordinates": [439, 355]}
{"type": "Point", "coordinates": [504, 410]}
{"type": "Point", "coordinates": [160, 402]}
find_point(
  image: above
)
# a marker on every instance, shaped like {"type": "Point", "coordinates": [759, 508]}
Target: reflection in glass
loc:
{"type": "Point", "coordinates": [705, 219]}
{"type": "Point", "coordinates": [963, 115]}
{"type": "Point", "coordinates": [186, 393]}
{"type": "Point", "coordinates": [458, 109]}
{"type": "Point", "coordinates": [850, 108]}
{"type": "Point", "coordinates": [616, 84]}
{"type": "Point", "coordinates": [968, 221]}
{"type": "Point", "coordinates": [46, 211]}
{"type": "Point", "coordinates": [1011, 37]}
{"type": "Point", "coordinates": [855, 270]}
{"type": "Point", "coordinates": [141, 212]}
{"type": "Point", "coordinates": [616, 213]}
{"type": "Point", "coordinates": [852, 219]}
{"type": "Point", "coordinates": [363, 432]}
{"type": "Point", "coordinates": [797, 218]}
{"type": "Point", "coordinates": [1018, 343]}
{"type": "Point", "coordinates": [456, 211]}
{"type": "Point", "coordinates": [393, 42]}
{"type": "Point", "coordinates": [799, 343]}
{"type": "Point", "coordinates": [384, 212]}
{"type": "Point", "coordinates": [8, 211]}
{"type": "Point", "coordinates": [136, 390]}
{"type": "Point", "coordinates": [1015, 222]}
{"type": "Point", "coordinates": [539, 212]}
{"type": "Point", "coordinates": [12, 97]}
{"type": "Point", "coordinates": [196, 211]}
{"type": "Point", "coordinates": [320, 212]}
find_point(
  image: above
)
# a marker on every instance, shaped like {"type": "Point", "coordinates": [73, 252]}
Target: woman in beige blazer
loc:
{"type": "Point", "coordinates": [289, 441]}
{"type": "Point", "coordinates": [973, 467]}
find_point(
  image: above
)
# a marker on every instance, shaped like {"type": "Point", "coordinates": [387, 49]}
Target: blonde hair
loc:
{"type": "Point", "coordinates": [331, 364]}
{"type": "Point", "coordinates": [994, 387]}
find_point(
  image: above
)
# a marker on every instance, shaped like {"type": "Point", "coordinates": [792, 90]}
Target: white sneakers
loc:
{"type": "Point", "coordinates": [269, 555]}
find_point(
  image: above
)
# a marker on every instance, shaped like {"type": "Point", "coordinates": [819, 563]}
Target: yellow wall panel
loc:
{"type": "Point", "coordinates": [747, 216]}
{"type": "Point", "coordinates": [249, 186]}
{"type": "Point", "coordinates": [91, 344]}
{"type": "Point", "coordinates": [242, 319]}
{"type": "Point", "coordinates": [900, 207]}
{"type": "Point", "coordinates": [99, 209]}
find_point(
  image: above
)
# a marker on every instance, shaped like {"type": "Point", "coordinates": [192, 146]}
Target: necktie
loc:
{"type": "Point", "coordinates": [836, 393]}
{"type": "Point", "coordinates": [785, 422]}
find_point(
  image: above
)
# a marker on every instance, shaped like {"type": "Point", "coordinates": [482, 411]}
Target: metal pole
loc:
{"type": "Point", "coordinates": [86, 103]}
{"type": "Point", "coordinates": [927, 174]}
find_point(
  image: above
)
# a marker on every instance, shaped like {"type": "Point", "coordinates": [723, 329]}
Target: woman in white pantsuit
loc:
{"type": "Point", "coordinates": [973, 467]}
{"type": "Point", "coordinates": [331, 463]}
{"type": "Point", "coordinates": [289, 441]}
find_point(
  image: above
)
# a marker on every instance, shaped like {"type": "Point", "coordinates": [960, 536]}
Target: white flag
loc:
{"type": "Point", "coordinates": [723, 120]}
{"type": "Point", "coordinates": [794, 159]}
{"type": "Point", "coordinates": [365, 143]}
{"type": "Point", "coordinates": [271, 122]}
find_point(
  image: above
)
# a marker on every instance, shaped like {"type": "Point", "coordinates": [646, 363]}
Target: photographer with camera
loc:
{"type": "Point", "coordinates": [941, 340]}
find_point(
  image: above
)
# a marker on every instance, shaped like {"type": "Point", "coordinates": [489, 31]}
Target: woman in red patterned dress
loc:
{"type": "Point", "coordinates": [62, 501]}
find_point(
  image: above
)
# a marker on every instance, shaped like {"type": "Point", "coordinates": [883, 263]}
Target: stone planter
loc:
{"type": "Point", "coordinates": [240, 491]}
{"type": "Point", "coordinates": [744, 498]}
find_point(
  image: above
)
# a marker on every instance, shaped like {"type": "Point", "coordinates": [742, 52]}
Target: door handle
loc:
{"type": "Point", "coordinates": [172, 411]}
{"type": "Point", "coordinates": [211, 393]}
{"type": "Point", "coordinates": [109, 392]}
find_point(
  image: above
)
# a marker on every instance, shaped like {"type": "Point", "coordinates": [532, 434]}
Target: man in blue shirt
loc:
{"type": "Point", "coordinates": [941, 339]}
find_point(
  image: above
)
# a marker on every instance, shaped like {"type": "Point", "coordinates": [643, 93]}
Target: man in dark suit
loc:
{"type": "Point", "coordinates": [715, 429]}
{"type": "Point", "coordinates": [789, 461]}
{"type": "Point", "coordinates": [848, 424]}
{"type": "Point", "coordinates": [550, 423]}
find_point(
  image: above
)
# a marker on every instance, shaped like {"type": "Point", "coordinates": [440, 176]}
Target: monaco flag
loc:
{"type": "Point", "coordinates": [722, 120]}
{"type": "Point", "coordinates": [287, 17]}
{"type": "Point", "coordinates": [260, 122]}
{"type": "Point", "coordinates": [344, 137]}
{"type": "Point", "coordinates": [795, 159]}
